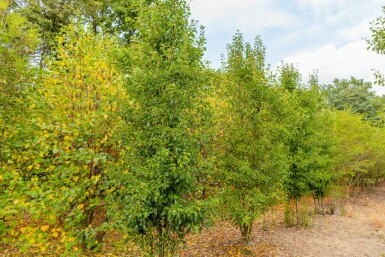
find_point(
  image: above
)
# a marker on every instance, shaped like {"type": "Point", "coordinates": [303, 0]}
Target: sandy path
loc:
{"type": "Point", "coordinates": [356, 230]}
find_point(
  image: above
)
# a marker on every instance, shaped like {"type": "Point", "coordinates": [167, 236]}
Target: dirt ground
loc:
{"type": "Point", "coordinates": [357, 229]}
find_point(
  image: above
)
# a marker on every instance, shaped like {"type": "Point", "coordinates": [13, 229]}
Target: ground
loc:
{"type": "Point", "coordinates": [357, 229]}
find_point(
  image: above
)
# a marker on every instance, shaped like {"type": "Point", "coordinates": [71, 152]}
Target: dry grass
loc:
{"type": "Point", "coordinates": [377, 223]}
{"type": "Point", "coordinates": [346, 211]}
{"type": "Point", "coordinates": [377, 218]}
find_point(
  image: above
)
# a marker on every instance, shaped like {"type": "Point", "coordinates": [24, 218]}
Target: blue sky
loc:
{"type": "Point", "coordinates": [323, 35]}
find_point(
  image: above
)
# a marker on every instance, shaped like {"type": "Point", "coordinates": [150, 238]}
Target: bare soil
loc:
{"type": "Point", "coordinates": [357, 229]}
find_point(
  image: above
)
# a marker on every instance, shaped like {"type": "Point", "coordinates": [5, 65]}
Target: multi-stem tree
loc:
{"type": "Point", "coordinates": [311, 139]}
{"type": "Point", "coordinates": [252, 152]}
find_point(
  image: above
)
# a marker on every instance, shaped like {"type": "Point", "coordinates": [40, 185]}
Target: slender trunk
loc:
{"type": "Point", "coordinates": [246, 233]}
{"type": "Point", "coordinates": [322, 205]}
{"type": "Point", "coordinates": [315, 204]}
{"type": "Point", "coordinates": [296, 209]}
{"type": "Point", "coordinates": [161, 252]}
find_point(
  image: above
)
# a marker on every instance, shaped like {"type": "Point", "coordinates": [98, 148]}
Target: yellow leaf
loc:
{"type": "Point", "coordinates": [55, 234]}
{"type": "Point", "coordinates": [23, 229]}
{"type": "Point", "coordinates": [75, 178]}
{"type": "Point", "coordinates": [44, 228]}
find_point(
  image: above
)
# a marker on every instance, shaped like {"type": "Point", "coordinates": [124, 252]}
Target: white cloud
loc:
{"type": "Point", "coordinates": [322, 7]}
{"type": "Point", "coordinates": [245, 15]}
{"type": "Point", "coordinates": [320, 3]}
{"type": "Point", "coordinates": [352, 59]}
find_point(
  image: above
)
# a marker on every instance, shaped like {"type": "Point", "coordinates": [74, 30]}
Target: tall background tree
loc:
{"type": "Point", "coordinates": [355, 95]}
{"type": "Point", "coordinates": [115, 17]}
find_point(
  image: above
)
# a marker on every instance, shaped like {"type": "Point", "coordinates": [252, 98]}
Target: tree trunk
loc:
{"type": "Point", "coordinates": [246, 233]}
{"type": "Point", "coordinates": [296, 210]}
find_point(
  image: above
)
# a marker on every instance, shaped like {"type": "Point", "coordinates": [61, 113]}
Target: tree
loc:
{"type": "Point", "coordinates": [360, 143]}
{"type": "Point", "coordinates": [114, 17]}
{"type": "Point", "coordinates": [252, 156]}
{"type": "Point", "coordinates": [311, 140]}
{"type": "Point", "coordinates": [49, 16]}
{"type": "Point", "coordinates": [377, 42]}
{"type": "Point", "coordinates": [355, 95]}
{"type": "Point", "coordinates": [18, 40]}
{"type": "Point", "coordinates": [157, 201]}
{"type": "Point", "coordinates": [325, 158]}
{"type": "Point", "coordinates": [60, 156]}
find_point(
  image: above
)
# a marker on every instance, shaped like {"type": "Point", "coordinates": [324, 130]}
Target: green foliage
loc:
{"type": "Point", "coordinates": [49, 16]}
{"type": "Point", "coordinates": [361, 147]}
{"type": "Point", "coordinates": [253, 154]}
{"type": "Point", "coordinates": [18, 40]}
{"type": "Point", "coordinates": [355, 95]}
{"type": "Point", "coordinates": [311, 142]}
{"type": "Point", "coordinates": [378, 34]}
{"type": "Point", "coordinates": [377, 42]}
{"type": "Point", "coordinates": [59, 158]}
{"type": "Point", "coordinates": [157, 197]}
{"type": "Point", "coordinates": [114, 17]}
{"type": "Point", "coordinates": [126, 129]}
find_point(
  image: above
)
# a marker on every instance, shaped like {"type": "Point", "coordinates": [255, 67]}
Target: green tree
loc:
{"type": "Point", "coordinates": [114, 17]}
{"type": "Point", "coordinates": [18, 40]}
{"type": "Point", "coordinates": [49, 16]}
{"type": "Point", "coordinates": [252, 154]}
{"type": "Point", "coordinates": [377, 42]}
{"type": "Point", "coordinates": [355, 95]}
{"type": "Point", "coordinates": [311, 138]}
{"type": "Point", "coordinates": [325, 158]}
{"type": "Point", "coordinates": [157, 198]}
{"type": "Point", "coordinates": [359, 146]}
{"type": "Point", "coordinates": [60, 156]}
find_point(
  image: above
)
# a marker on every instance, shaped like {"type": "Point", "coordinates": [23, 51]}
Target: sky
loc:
{"type": "Point", "coordinates": [323, 35]}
